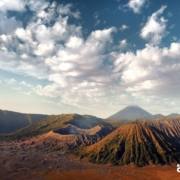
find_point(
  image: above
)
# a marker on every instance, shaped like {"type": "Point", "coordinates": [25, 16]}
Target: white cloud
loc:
{"type": "Point", "coordinates": [51, 90]}
{"type": "Point", "coordinates": [15, 5]}
{"type": "Point", "coordinates": [7, 25]}
{"type": "Point", "coordinates": [123, 44]}
{"type": "Point", "coordinates": [148, 66]}
{"type": "Point", "coordinates": [58, 53]}
{"type": "Point", "coordinates": [85, 61]}
{"type": "Point", "coordinates": [136, 5]}
{"type": "Point", "coordinates": [155, 28]}
{"type": "Point", "coordinates": [74, 42]}
{"type": "Point", "coordinates": [23, 34]}
{"type": "Point", "coordinates": [44, 49]}
{"type": "Point", "coordinates": [150, 76]}
{"type": "Point", "coordinates": [123, 27]}
{"type": "Point", "coordinates": [89, 71]}
{"type": "Point", "coordinates": [143, 86]}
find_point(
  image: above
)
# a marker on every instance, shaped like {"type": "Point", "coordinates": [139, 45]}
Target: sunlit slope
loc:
{"type": "Point", "coordinates": [65, 124]}
{"type": "Point", "coordinates": [140, 143]}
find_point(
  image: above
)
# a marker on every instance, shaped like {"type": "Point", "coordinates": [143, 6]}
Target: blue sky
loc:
{"type": "Point", "coordinates": [89, 57]}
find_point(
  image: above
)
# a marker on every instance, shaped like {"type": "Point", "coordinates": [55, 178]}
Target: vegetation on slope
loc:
{"type": "Point", "coordinates": [56, 122]}
{"type": "Point", "coordinates": [140, 143]}
{"type": "Point", "coordinates": [12, 121]}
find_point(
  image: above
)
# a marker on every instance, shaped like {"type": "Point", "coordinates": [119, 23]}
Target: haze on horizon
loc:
{"type": "Point", "coordinates": [89, 57]}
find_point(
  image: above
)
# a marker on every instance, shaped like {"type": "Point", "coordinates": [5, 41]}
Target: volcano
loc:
{"type": "Point", "coordinates": [141, 143]}
{"type": "Point", "coordinates": [130, 113]}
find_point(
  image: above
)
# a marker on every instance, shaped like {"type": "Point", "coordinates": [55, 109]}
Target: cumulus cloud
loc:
{"type": "Point", "coordinates": [7, 25]}
{"type": "Point", "coordinates": [88, 71]}
{"type": "Point", "coordinates": [155, 27]}
{"type": "Point", "coordinates": [123, 44]}
{"type": "Point", "coordinates": [136, 5]}
{"type": "Point", "coordinates": [150, 68]}
{"type": "Point", "coordinates": [15, 5]}
{"type": "Point", "coordinates": [150, 76]}
{"type": "Point", "coordinates": [51, 48]}
{"type": "Point", "coordinates": [39, 39]}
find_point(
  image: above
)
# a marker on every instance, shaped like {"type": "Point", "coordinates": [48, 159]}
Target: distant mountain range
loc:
{"type": "Point", "coordinates": [131, 113]}
{"type": "Point", "coordinates": [11, 121]}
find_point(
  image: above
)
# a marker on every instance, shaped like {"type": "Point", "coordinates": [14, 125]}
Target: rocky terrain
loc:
{"type": "Point", "coordinates": [32, 160]}
{"type": "Point", "coordinates": [141, 143]}
{"type": "Point", "coordinates": [72, 146]}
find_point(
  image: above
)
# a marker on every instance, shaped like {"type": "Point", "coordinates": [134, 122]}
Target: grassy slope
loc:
{"type": "Point", "coordinates": [12, 121]}
{"type": "Point", "coordinates": [55, 122]}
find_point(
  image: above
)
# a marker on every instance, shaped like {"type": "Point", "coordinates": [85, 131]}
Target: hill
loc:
{"type": "Point", "coordinates": [12, 121]}
{"type": "Point", "coordinates": [65, 124]}
{"type": "Point", "coordinates": [140, 143]}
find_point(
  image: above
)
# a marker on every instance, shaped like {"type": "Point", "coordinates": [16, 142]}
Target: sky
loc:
{"type": "Point", "coordinates": [89, 57]}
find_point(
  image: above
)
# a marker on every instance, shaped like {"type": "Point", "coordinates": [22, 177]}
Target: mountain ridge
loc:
{"type": "Point", "coordinates": [11, 121]}
{"type": "Point", "coordinates": [64, 122]}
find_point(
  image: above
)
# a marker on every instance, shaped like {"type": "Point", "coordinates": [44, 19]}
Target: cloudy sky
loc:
{"type": "Point", "coordinates": [89, 57]}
